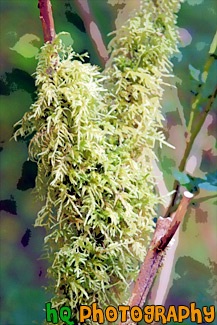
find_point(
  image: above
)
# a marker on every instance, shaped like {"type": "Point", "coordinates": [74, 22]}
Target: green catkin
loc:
{"type": "Point", "coordinates": [93, 137]}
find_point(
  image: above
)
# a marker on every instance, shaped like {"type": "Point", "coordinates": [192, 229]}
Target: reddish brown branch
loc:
{"type": "Point", "coordinates": [177, 219]}
{"type": "Point", "coordinates": [92, 30]}
{"type": "Point", "coordinates": [164, 232]}
{"type": "Point", "coordinates": [46, 16]}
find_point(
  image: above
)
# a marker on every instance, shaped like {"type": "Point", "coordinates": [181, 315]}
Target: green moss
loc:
{"type": "Point", "coordinates": [93, 137]}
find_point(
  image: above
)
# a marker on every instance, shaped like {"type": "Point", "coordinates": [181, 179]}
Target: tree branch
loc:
{"type": "Point", "coordinates": [165, 230]}
{"type": "Point", "coordinates": [166, 227]}
{"type": "Point", "coordinates": [46, 16]}
{"type": "Point", "coordinates": [92, 30]}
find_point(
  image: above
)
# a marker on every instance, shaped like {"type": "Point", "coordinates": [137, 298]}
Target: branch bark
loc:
{"type": "Point", "coordinates": [92, 30]}
{"type": "Point", "coordinates": [164, 232]}
{"type": "Point", "coordinates": [46, 16]}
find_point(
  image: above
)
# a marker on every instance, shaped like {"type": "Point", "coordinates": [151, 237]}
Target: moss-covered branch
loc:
{"type": "Point", "coordinates": [93, 137]}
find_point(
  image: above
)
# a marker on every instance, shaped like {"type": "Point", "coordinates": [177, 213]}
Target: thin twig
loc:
{"type": "Point", "coordinates": [46, 16]}
{"type": "Point", "coordinates": [196, 130]}
{"type": "Point", "coordinates": [165, 230]}
{"type": "Point", "coordinates": [188, 148]}
{"type": "Point", "coordinates": [196, 100]}
{"type": "Point", "coordinates": [92, 30]}
{"type": "Point", "coordinates": [204, 198]}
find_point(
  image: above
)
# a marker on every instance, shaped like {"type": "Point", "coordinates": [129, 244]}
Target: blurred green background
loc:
{"type": "Point", "coordinates": [23, 273]}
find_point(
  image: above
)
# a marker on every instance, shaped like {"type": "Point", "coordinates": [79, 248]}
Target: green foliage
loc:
{"type": "Point", "coordinates": [193, 184]}
{"type": "Point", "coordinates": [93, 137]}
{"type": "Point", "coordinates": [195, 74]}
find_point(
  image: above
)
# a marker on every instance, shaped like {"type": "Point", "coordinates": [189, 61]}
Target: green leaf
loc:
{"type": "Point", "coordinates": [194, 72]}
{"type": "Point", "coordinates": [25, 47]}
{"type": "Point", "coordinates": [207, 186]}
{"type": "Point", "coordinates": [193, 184]}
{"type": "Point", "coordinates": [212, 178]}
{"type": "Point", "coordinates": [182, 178]}
{"type": "Point", "coordinates": [210, 182]}
{"type": "Point", "coordinates": [213, 45]}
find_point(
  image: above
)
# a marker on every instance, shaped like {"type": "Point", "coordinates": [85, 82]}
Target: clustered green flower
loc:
{"type": "Point", "coordinates": [93, 137]}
